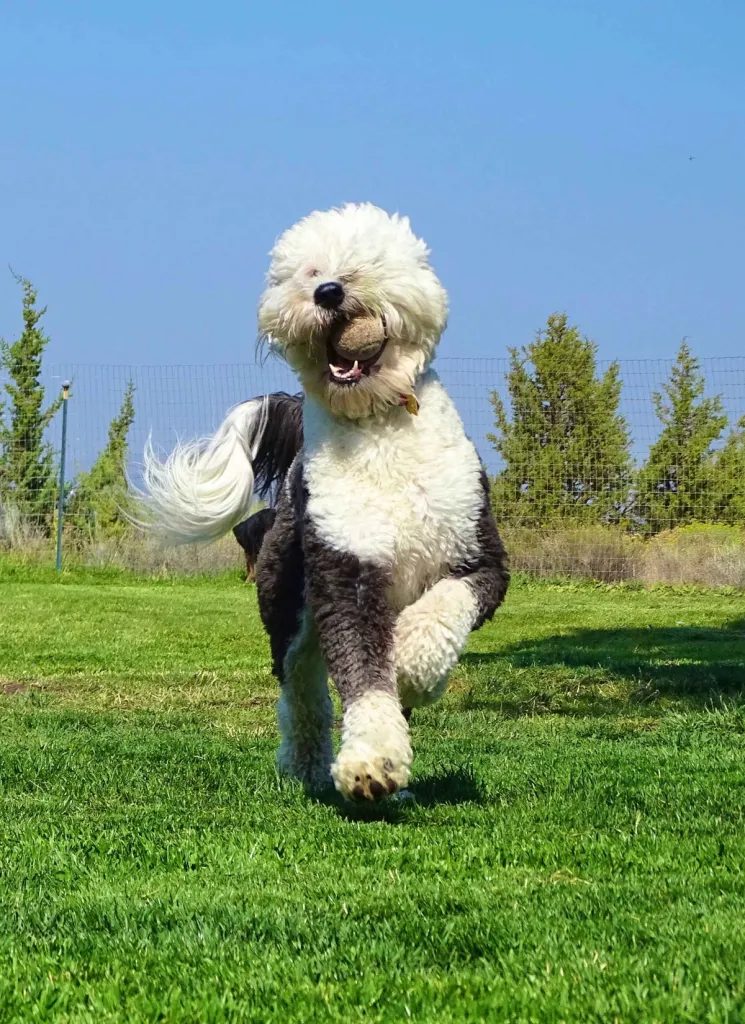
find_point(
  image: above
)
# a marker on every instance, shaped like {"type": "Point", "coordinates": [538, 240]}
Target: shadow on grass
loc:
{"type": "Point", "coordinates": [451, 786]}
{"type": "Point", "coordinates": [691, 665]}
{"type": "Point", "coordinates": [442, 788]}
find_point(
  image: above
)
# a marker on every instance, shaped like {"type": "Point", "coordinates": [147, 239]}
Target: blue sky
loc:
{"type": "Point", "coordinates": [151, 152]}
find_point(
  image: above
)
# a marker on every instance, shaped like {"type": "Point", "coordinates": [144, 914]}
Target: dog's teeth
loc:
{"type": "Point", "coordinates": [352, 374]}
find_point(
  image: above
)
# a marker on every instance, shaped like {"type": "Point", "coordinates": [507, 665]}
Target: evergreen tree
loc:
{"type": "Point", "coordinates": [99, 499]}
{"type": "Point", "coordinates": [565, 447]}
{"type": "Point", "coordinates": [675, 486]}
{"type": "Point", "coordinates": [728, 478]}
{"type": "Point", "coordinates": [27, 467]}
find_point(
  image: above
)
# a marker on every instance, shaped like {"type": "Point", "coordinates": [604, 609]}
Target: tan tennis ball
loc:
{"type": "Point", "coordinates": [359, 338]}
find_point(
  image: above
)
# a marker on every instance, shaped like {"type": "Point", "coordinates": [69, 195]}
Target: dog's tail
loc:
{"type": "Point", "coordinates": [204, 488]}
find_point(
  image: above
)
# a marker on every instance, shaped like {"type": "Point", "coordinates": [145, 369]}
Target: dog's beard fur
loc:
{"type": "Point", "coordinates": [384, 270]}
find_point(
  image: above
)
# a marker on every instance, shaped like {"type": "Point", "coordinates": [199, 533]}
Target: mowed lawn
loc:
{"type": "Point", "coordinates": [575, 848]}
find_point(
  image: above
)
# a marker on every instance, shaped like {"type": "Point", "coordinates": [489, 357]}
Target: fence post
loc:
{"type": "Point", "coordinates": [61, 498]}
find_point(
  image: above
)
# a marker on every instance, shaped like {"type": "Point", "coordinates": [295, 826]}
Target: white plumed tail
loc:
{"type": "Point", "coordinates": [204, 488]}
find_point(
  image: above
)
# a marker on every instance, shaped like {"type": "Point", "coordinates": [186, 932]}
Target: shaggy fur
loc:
{"type": "Point", "coordinates": [383, 555]}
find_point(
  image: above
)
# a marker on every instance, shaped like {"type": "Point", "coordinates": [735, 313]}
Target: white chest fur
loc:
{"type": "Point", "coordinates": [403, 492]}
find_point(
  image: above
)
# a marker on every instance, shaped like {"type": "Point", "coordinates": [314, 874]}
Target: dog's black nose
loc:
{"type": "Point", "coordinates": [329, 295]}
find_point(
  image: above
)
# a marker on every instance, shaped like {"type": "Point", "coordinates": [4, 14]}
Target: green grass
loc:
{"type": "Point", "coordinates": [575, 851]}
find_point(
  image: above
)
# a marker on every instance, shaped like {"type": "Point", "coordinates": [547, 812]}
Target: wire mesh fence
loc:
{"type": "Point", "coordinates": [172, 402]}
{"type": "Point", "coordinates": [190, 401]}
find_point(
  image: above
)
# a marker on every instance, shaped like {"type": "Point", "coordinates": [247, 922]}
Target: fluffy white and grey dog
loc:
{"type": "Point", "coordinates": [383, 554]}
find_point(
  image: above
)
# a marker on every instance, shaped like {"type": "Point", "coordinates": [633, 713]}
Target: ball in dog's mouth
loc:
{"type": "Point", "coordinates": [354, 348]}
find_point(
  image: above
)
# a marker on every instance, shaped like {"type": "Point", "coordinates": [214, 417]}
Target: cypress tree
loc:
{"type": "Point", "coordinates": [728, 478]}
{"type": "Point", "coordinates": [100, 497]}
{"type": "Point", "coordinates": [27, 464]}
{"type": "Point", "coordinates": [676, 484]}
{"type": "Point", "coordinates": [564, 444]}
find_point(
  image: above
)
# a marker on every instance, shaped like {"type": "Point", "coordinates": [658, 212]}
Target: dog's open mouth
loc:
{"type": "Point", "coordinates": [347, 371]}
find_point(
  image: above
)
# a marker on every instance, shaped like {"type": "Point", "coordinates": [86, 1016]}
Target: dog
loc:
{"type": "Point", "coordinates": [383, 554]}
{"type": "Point", "coordinates": [250, 535]}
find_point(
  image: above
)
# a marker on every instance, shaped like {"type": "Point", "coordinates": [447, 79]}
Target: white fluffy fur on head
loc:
{"type": "Point", "coordinates": [384, 271]}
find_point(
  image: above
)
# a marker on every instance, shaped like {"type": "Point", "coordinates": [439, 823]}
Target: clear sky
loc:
{"type": "Point", "coordinates": [150, 152]}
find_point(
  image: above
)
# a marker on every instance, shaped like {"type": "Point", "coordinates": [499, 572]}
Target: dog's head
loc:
{"type": "Point", "coordinates": [353, 305]}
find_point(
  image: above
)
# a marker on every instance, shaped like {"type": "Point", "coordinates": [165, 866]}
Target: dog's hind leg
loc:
{"type": "Point", "coordinates": [304, 713]}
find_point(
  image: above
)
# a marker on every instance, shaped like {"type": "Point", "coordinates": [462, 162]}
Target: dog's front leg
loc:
{"type": "Point", "coordinates": [355, 624]}
{"type": "Point", "coordinates": [304, 712]}
{"type": "Point", "coordinates": [429, 637]}
{"type": "Point", "coordinates": [430, 634]}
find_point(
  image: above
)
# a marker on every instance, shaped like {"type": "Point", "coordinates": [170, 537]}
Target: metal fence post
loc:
{"type": "Point", "coordinates": [61, 498]}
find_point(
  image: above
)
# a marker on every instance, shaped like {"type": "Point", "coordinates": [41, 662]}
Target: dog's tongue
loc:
{"type": "Point", "coordinates": [352, 373]}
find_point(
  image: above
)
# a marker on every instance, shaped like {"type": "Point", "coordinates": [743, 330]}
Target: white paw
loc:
{"type": "Point", "coordinates": [375, 755]}
{"type": "Point", "coordinates": [429, 637]}
{"type": "Point", "coordinates": [363, 774]}
{"type": "Point", "coordinates": [424, 658]}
